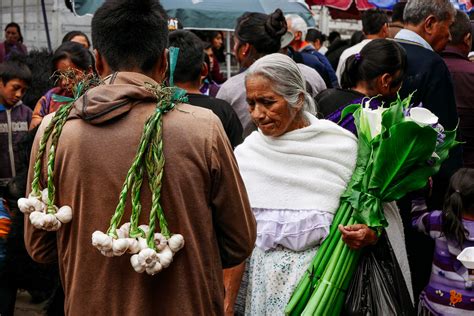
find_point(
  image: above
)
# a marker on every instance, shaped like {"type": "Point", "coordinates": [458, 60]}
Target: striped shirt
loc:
{"type": "Point", "coordinates": [450, 290]}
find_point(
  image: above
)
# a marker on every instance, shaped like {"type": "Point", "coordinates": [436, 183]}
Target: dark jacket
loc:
{"type": "Point", "coordinates": [428, 75]}
{"type": "Point", "coordinates": [14, 123]}
{"type": "Point", "coordinates": [462, 73]}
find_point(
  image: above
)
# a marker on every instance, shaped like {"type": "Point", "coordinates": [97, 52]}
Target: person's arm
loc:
{"type": "Point", "coordinates": [425, 221]}
{"type": "Point", "coordinates": [233, 219]}
{"type": "Point", "coordinates": [40, 244]}
{"type": "Point", "coordinates": [37, 113]}
{"type": "Point", "coordinates": [232, 279]}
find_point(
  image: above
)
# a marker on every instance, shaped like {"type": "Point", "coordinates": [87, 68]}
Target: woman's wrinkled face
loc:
{"type": "Point", "coordinates": [12, 35]}
{"type": "Point", "coordinates": [269, 110]}
{"type": "Point", "coordinates": [70, 74]}
{"type": "Point", "coordinates": [217, 41]}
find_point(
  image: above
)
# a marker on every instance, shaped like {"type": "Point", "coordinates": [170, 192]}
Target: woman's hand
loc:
{"type": "Point", "coordinates": [358, 236]}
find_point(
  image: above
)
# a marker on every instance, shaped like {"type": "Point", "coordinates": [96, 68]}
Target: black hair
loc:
{"type": "Point", "coordinates": [70, 35]}
{"type": "Point", "coordinates": [314, 35]}
{"type": "Point", "coordinates": [76, 53]}
{"type": "Point", "coordinates": [357, 37]}
{"type": "Point", "coordinates": [458, 200]}
{"type": "Point", "coordinates": [397, 12]}
{"type": "Point", "coordinates": [373, 21]}
{"type": "Point", "coordinates": [378, 57]}
{"type": "Point", "coordinates": [190, 57]}
{"type": "Point", "coordinates": [17, 28]}
{"type": "Point", "coordinates": [333, 36]}
{"type": "Point", "coordinates": [129, 33]}
{"type": "Point", "coordinates": [14, 69]}
{"type": "Point", "coordinates": [460, 27]}
{"type": "Point", "coordinates": [262, 31]}
{"type": "Point", "coordinates": [39, 62]}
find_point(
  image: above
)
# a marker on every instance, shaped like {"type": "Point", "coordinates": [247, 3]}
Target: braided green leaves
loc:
{"type": "Point", "coordinates": [43, 213]}
{"type": "Point", "coordinates": [151, 250]}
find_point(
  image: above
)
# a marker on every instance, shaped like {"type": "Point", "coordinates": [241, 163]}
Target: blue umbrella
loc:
{"type": "Point", "coordinates": [212, 14]}
{"type": "Point", "coordinates": [222, 14]}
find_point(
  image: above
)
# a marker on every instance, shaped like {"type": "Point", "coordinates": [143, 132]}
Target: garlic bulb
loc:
{"type": "Point", "coordinates": [137, 266]}
{"type": "Point", "coordinates": [160, 241]}
{"type": "Point", "coordinates": [147, 257]}
{"type": "Point", "coordinates": [119, 246]}
{"type": "Point", "coordinates": [64, 214]}
{"type": "Point", "coordinates": [30, 205]}
{"type": "Point", "coordinates": [157, 267]}
{"type": "Point", "coordinates": [176, 242]}
{"type": "Point", "coordinates": [133, 246]}
{"type": "Point", "coordinates": [165, 257]}
{"type": "Point", "coordinates": [102, 241]}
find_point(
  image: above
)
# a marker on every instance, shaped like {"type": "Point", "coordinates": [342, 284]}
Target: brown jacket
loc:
{"type": "Point", "coordinates": [203, 197]}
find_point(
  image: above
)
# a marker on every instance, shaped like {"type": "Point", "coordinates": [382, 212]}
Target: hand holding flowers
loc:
{"type": "Point", "coordinates": [399, 148]}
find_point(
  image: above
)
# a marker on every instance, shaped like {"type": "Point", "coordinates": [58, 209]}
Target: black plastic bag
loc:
{"type": "Point", "coordinates": [378, 286]}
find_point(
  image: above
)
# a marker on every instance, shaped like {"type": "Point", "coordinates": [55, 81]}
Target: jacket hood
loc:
{"type": "Point", "coordinates": [119, 93]}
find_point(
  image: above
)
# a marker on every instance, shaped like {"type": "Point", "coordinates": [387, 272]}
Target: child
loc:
{"type": "Point", "coordinates": [450, 291]}
{"type": "Point", "coordinates": [72, 59]}
{"type": "Point", "coordinates": [15, 117]}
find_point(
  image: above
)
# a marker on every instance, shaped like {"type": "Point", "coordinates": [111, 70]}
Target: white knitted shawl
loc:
{"type": "Point", "coordinates": [305, 170]}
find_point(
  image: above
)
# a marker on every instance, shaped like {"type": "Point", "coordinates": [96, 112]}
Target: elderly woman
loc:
{"type": "Point", "coordinates": [295, 168]}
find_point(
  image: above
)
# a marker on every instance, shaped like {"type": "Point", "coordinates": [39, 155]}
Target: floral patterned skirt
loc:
{"type": "Point", "coordinates": [272, 277]}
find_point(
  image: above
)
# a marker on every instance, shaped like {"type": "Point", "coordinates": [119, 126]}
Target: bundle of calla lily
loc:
{"type": "Point", "coordinates": [399, 148]}
{"type": "Point", "coordinates": [43, 213]}
{"type": "Point", "coordinates": [151, 251]}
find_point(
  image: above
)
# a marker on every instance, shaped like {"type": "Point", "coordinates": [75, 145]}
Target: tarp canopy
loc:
{"type": "Point", "coordinates": [212, 14]}
{"type": "Point", "coordinates": [344, 5]}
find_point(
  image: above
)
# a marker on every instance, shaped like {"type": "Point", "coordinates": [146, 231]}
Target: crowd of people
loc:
{"type": "Point", "coordinates": [256, 164]}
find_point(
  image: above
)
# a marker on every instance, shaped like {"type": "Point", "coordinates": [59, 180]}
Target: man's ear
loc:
{"type": "Point", "coordinates": [298, 36]}
{"type": "Point", "coordinates": [159, 71]}
{"type": "Point", "coordinates": [429, 24]}
{"type": "Point", "coordinates": [468, 40]}
{"type": "Point", "coordinates": [101, 65]}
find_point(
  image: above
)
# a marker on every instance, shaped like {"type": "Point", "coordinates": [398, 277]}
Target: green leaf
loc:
{"type": "Point", "coordinates": [350, 109]}
{"type": "Point", "coordinates": [393, 115]}
{"type": "Point", "coordinates": [61, 98]}
{"type": "Point", "coordinates": [407, 145]}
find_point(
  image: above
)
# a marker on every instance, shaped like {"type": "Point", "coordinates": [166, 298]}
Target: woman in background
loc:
{"type": "Point", "coordinates": [13, 43]}
{"type": "Point", "coordinates": [71, 61]}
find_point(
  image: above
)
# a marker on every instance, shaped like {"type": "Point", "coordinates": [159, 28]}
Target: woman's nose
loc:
{"type": "Point", "coordinates": [258, 112]}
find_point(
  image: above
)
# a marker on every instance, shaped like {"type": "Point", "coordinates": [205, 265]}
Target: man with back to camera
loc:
{"type": "Point", "coordinates": [190, 69]}
{"type": "Point", "coordinates": [426, 33]}
{"type": "Point", "coordinates": [374, 25]}
{"type": "Point", "coordinates": [202, 194]}
{"type": "Point", "coordinates": [462, 71]}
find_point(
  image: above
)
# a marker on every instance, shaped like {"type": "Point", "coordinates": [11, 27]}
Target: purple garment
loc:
{"type": "Point", "coordinates": [462, 73]}
{"type": "Point", "coordinates": [449, 277]}
{"type": "Point", "coordinates": [348, 121]}
{"type": "Point", "coordinates": [7, 49]}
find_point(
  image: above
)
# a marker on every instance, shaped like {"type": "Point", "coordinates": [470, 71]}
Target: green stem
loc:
{"type": "Point", "coordinates": [119, 210]}
{"type": "Point", "coordinates": [136, 205]}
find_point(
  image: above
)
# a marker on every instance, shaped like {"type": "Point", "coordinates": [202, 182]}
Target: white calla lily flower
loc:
{"type": "Point", "coordinates": [372, 120]}
{"type": "Point", "coordinates": [423, 116]}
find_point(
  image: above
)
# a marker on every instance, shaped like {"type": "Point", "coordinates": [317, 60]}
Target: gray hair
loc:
{"type": "Point", "coordinates": [287, 79]}
{"type": "Point", "coordinates": [416, 11]}
{"type": "Point", "coordinates": [298, 24]}
{"type": "Point", "coordinates": [460, 27]}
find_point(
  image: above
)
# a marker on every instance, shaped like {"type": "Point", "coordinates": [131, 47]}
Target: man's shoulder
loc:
{"type": "Point", "coordinates": [208, 102]}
